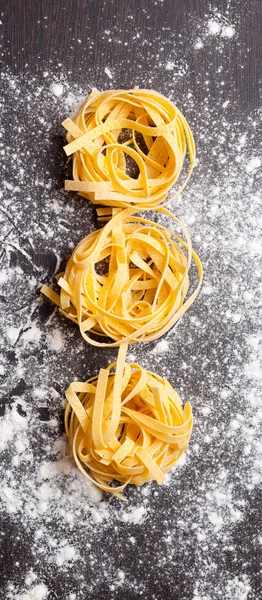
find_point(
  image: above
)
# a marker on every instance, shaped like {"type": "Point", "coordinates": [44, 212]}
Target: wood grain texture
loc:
{"type": "Point", "coordinates": [39, 35]}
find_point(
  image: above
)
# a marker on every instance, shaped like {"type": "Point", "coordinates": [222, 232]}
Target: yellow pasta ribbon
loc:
{"type": "Point", "coordinates": [126, 425]}
{"type": "Point", "coordinates": [117, 130]}
{"type": "Point", "coordinates": [128, 281]}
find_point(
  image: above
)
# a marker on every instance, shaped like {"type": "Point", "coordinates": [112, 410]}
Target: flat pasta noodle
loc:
{"type": "Point", "coordinates": [127, 281]}
{"type": "Point", "coordinates": [128, 148]}
{"type": "Point", "coordinates": [126, 425]}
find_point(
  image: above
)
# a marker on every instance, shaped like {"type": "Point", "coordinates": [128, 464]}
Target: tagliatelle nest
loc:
{"type": "Point", "coordinates": [118, 127]}
{"type": "Point", "coordinates": [126, 425]}
{"type": "Point", "coordinates": [127, 281]}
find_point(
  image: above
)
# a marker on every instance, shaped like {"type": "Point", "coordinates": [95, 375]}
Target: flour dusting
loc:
{"type": "Point", "coordinates": [204, 513]}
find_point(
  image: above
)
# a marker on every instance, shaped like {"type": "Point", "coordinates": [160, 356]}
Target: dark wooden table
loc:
{"type": "Point", "coordinates": [199, 537]}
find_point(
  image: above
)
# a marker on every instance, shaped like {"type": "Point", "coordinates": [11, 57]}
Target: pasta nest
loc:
{"type": "Point", "coordinates": [127, 281]}
{"type": "Point", "coordinates": [128, 148]}
{"type": "Point", "coordinates": [127, 425]}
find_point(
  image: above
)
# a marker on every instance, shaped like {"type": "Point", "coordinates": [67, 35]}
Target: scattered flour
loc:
{"type": "Point", "coordinates": [217, 27]}
{"type": "Point", "coordinates": [108, 73]}
{"type": "Point", "coordinates": [135, 515]}
{"type": "Point", "coordinates": [161, 346]}
{"type": "Point", "coordinates": [216, 355]}
{"type": "Point", "coordinates": [198, 45]}
{"type": "Point", "coordinates": [214, 27]}
{"type": "Point", "coordinates": [13, 334]}
{"type": "Point", "coordinates": [228, 31]}
{"type": "Point", "coordinates": [12, 425]}
{"type": "Point", "coordinates": [237, 588]}
{"type": "Point", "coordinates": [170, 65]}
{"type": "Point", "coordinates": [253, 164]}
{"type": "Point", "coordinates": [55, 340]}
{"type": "Point", "coordinates": [37, 592]}
{"type": "Point", "coordinates": [32, 334]}
{"type": "Point", "coordinates": [57, 89]}
{"type": "Point", "coordinates": [65, 554]}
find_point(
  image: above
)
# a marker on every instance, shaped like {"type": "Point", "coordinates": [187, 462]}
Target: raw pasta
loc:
{"type": "Point", "coordinates": [119, 130]}
{"type": "Point", "coordinates": [127, 281]}
{"type": "Point", "coordinates": [126, 425]}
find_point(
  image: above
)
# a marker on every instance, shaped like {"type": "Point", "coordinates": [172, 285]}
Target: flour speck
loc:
{"type": "Point", "coordinates": [108, 72]}
{"type": "Point", "coordinates": [57, 89]}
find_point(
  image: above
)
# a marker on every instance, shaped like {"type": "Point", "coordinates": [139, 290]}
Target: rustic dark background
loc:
{"type": "Point", "coordinates": [43, 34]}
{"type": "Point", "coordinates": [33, 44]}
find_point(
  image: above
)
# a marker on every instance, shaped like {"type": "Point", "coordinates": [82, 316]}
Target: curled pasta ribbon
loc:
{"type": "Point", "coordinates": [126, 425]}
{"type": "Point", "coordinates": [119, 128]}
{"type": "Point", "coordinates": [127, 281]}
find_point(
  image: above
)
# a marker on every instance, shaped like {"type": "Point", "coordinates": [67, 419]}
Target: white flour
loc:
{"type": "Point", "coordinates": [108, 73]}
{"type": "Point", "coordinates": [213, 358]}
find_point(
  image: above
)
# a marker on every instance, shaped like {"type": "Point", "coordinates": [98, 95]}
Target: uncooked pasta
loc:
{"type": "Point", "coordinates": [127, 282]}
{"type": "Point", "coordinates": [126, 426]}
{"type": "Point", "coordinates": [128, 148]}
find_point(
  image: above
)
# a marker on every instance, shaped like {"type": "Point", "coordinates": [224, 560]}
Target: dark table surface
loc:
{"type": "Point", "coordinates": [199, 536]}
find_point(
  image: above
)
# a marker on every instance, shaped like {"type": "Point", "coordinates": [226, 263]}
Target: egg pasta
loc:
{"type": "Point", "coordinates": [126, 426]}
{"type": "Point", "coordinates": [127, 281]}
{"type": "Point", "coordinates": [128, 148]}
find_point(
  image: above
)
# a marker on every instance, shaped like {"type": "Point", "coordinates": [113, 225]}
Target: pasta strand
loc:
{"type": "Point", "coordinates": [116, 126]}
{"type": "Point", "coordinates": [128, 281]}
{"type": "Point", "coordinates": [151, 428]}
